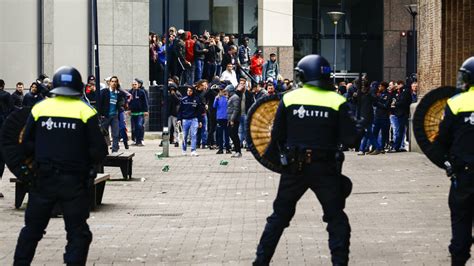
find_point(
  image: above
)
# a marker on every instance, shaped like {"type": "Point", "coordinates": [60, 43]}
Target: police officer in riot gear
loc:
{"type": "Point", "coordinates": [310, 124]}
{"type": "Point", "coordinates": [63, 133]}
{"type": "Point", "coordinates": [456, 134]}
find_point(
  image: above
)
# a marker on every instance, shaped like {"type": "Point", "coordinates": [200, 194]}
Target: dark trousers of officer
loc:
{"type": "Point", "coordinates": [461, 204]}
{"type": "Point", "coordinates": [322, 179]}
{"type": "Point", "coordinates": [71, 193]}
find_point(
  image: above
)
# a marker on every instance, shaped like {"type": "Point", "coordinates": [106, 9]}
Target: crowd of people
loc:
{"type": "Point", "coordinates": [383, 109]}
{"type": "Point", "coordinates": [195, 57]}
{"type": "Point", "coordinates": [213, 83]}
{"type": "Point", "coordinates": [212, 115]}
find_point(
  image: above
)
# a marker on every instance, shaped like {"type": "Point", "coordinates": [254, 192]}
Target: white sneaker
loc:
{"type": "Point", "coordinates": [236, 155]}
{"type": "Point", "coordinates": [184, 153]}
{"type": "Point", "coordinates": [194, 153]}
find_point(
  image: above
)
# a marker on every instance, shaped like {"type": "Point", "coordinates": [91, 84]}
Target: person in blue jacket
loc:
{"type": "Point", "coordinates": [222, 134]}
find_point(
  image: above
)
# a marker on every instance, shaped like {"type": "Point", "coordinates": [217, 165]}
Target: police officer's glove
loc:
{"type": "Point", "coordinates": [91, 177]}
{"type": "Point", "coordinates": [26, 175]}
{"type": "Point", "coordinates": [448, 168]}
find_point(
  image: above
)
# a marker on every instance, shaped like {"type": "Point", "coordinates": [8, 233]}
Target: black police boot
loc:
{"type": "Point", "coordinates": [126, 145]}
{"type": "Point", "coordinates": [457, 262]}
{"type": "Point", "coordinates": [259, 263]}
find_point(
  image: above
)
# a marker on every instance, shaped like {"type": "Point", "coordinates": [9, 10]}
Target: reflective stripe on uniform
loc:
{"type": "Point", "coordinates": [463, 102]}
{"type": "Point", "coordinates": [65, 107]}
{"type": "Point", "coordinates": [314, 96]}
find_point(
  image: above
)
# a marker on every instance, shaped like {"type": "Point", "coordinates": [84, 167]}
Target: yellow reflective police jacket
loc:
{"type": "Point", "coordinates": [456, 130]}
{"type": "Point", "coordinates": [312, 117]}
{"type": "Point", "coordinates": [66, 134]}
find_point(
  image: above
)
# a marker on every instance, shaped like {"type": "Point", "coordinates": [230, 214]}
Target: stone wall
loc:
{"type": "Point", "coordinates": [429, 46]}
{"type": "Point", "coordinates": [123, 39]}
{"type": "Point", "coordinates": [396, 20]}
{"type": "Point", "coordinates": [457, 37]}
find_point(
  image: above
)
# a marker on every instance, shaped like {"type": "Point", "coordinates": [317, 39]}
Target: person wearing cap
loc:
{"type": "Point", "coordinates": [271, 69]}
{"type": "Point", "coordinates": [90, 91]}
{"type": "Point", "coordinates": [62, 135]}
{"type": "Point", "coordinates": [222, 131]}
{"type": "Point", "coordinates": [256, 65]}
{"type": "Point", "coordinates": [138, 109]}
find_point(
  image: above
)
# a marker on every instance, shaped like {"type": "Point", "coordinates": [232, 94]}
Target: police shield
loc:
{"type": "Point", "coordinates": [428, 115]}
{"type": "Point", "coordinates": [13, 148]}
{"type": "Point", "coordinates": [259, 127]}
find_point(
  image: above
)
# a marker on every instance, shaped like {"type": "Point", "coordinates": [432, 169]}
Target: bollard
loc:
{"type": "Point", "coordinates": [166, 142]}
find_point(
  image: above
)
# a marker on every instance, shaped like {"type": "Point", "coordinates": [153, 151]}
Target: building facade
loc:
{"type": "Point", "coordinates": [372, 37]}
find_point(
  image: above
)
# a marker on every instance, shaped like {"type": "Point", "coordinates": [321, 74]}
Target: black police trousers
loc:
{"type": "Point", "coordinates": [323, 180]}
{"type": "Point", "coordinates": [461, 204]}
{"type": "Point", "coordinates": [71, 193]}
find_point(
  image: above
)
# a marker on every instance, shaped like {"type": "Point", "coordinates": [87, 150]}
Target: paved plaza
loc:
{"type": "Point", "coordinates": [203, 213]}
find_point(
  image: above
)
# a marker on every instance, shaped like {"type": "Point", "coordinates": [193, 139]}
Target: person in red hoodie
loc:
{"type": "Point", "coordinates": [189, 46]}
{"type": "Point", "coordinates": [256, 65]}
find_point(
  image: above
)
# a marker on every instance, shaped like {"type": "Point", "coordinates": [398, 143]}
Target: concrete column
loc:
{"type": "Point", "coordinates": [70, 35]}
{"type": "Point", "coordinates": [275, 32]}
{"type": "Point", "coordinates": [396, 20]}
{"type": "Point", "coordinates": [123, 39]}
{"type": "Point", "coordinates": [18, 41]}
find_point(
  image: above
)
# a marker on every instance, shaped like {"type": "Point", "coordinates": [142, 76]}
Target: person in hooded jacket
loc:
{"type": "Point", "coordinates": [364, 100]}
{"type": "Point", "coordinates": [190, 116]}
{"type": "Point", "coordinates": [200, 51]}
{"type": "Point", "coordinates": [138, 109]}
{"type": "Point", "coordinates": [401, 110]}
{"type": "Point", "coordinates": [189, 48]}
{"type": "Point", "coordinates": [382, 117]}
{"type": "Point", "coordinates": [233, 116]}
{"type": "Point", "coordinates": [33, 96]}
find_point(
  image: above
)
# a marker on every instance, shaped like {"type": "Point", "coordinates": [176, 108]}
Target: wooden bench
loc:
{"type": "Point", "coordinates": [124, 160]}
{"type": "Point", "coordinates": [96, 192]}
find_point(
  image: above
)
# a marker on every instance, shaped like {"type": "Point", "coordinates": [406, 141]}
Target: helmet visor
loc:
{"type": "Point", "coordinates": [461, 81]}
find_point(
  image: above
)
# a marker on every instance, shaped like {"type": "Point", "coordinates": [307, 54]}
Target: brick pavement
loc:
{"type": "Point", "coordinates": [203, 213]}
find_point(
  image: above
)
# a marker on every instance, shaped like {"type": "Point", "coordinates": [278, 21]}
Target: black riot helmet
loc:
{"type": "Point", "coordinates": [67, 81]}
{"type": "Point", "coordinates": [466, 74]}
{"type": "Point", "coordinates": [314, 70]}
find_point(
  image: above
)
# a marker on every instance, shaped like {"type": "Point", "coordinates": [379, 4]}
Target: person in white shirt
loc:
{"type": "Point", "coordinates": [229, 75]}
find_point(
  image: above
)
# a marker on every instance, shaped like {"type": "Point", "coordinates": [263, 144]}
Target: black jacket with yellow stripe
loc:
{"type": "Point", "coordinates": [456, 130]}
{"type": "Point", "coordinates": [314, 118]}
{"type": "Point", "coordinates": [65, 134]}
